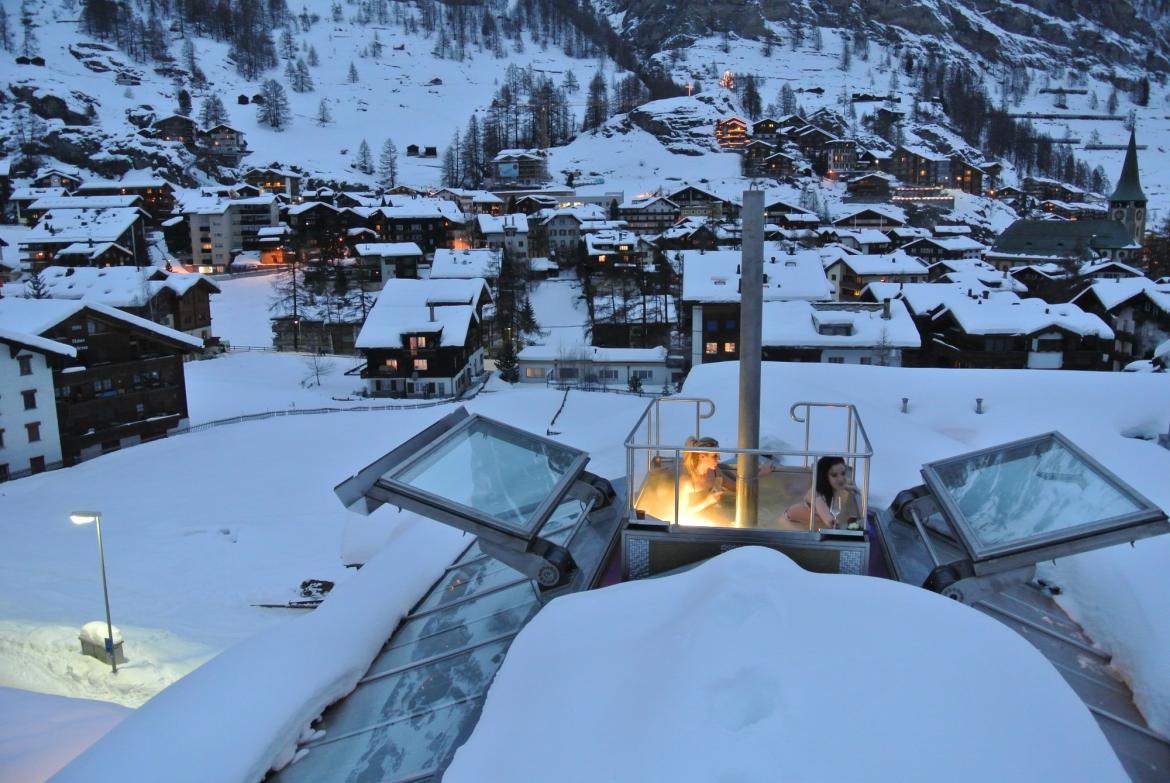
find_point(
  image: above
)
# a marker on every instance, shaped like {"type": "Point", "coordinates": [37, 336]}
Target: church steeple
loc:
{"type": "Point", "coordinates": [1128, 202]}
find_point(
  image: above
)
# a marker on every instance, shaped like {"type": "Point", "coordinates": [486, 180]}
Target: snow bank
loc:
{"type": "Point", "coordinates": [1118, 594]}
{"type": "Point", "coordinates": [265, 691]}
{"type": "Point", "coordinates": [749, 668]}
{"type": "Point", "coordinates": [39, 734]}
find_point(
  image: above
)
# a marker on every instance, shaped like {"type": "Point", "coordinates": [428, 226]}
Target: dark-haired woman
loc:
{"type": "Point", "coordinates": [832, 493]}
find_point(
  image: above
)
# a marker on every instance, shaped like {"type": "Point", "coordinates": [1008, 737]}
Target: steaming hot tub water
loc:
{"type": "Point", "coordinates": [779, 489]}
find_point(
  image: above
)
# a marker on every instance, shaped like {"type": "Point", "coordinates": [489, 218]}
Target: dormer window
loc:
{"type": "Point", "coordinates": [838, 330]}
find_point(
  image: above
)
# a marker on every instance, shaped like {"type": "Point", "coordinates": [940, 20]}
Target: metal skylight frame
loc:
{"type": "Point", "coordinates": [1147, 520]}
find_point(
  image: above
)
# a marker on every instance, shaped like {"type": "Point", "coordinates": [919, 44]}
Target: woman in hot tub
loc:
{"type": "Point", "coordinates": [832, 498]}
{"type": "Point", "coordinates": [702, 485]}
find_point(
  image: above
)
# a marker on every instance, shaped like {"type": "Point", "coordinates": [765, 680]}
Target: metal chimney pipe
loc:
{"type": "Point", "coordinates": [751, 316]}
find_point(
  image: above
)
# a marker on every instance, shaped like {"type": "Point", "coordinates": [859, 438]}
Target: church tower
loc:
{"type": "Point", "coordinates": [1128, 202]}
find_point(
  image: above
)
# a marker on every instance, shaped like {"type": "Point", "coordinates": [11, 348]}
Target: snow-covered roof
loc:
{"type": "Point", "coordinates": [1092, 268]}
{"type": "Point", "coordinates": [33, 194]}
{"type": "Point", "coordinates": [1111, 293]}
{"type": "Point", "coordinates": [82, 202]}
{"type": "Point", "coordinates": [888, 211]}
{"type": "Point", "coordinates": [14, 328]}
{"type": "Point", "coordinates": [407, 292]}
{"type": "Point", "coordinates": [582, 213]}
{"type": "Point", "coordinates": [863, 236]}
{"type": "Point", "coordinates": [898, 262]}
{"type": "Point", "coordinates": [81, 225]}
{"type": "Point", "coordinates": [36, 316]}
{"type": "Point", "coordinates": [923, 298]}
{"type": "Point", "coordinates": [482, 263]}
{"type": "Point", "coordinates": [712, 276]}
{"type": "Point", "coordinates": [305, 206]}
{"type": "Point", "coordinates": [131, 181]}
{"type": "Point", "coordinates": [608, 241]}
{"type": "Point", "coordinates": [90, 250]}
{"type": "Point", "coordinates": [646, 201]}
{"type": "Point", "coordinates": [498, 224]}
{"type": "Point", "coordinates": [797, 324]}
{"type": "Point", "coordinates": [405, 207]}
{"type": "Point", "coordinates": [388, 249]}
{"type": "Point", "coordinates": [951, 230]}
{"type": "Point", "coordinates": [407, 306]}
{"type": "Point", "coordinates": [592, 353]}
{"type": "Point", "coordinates": [542, 264]}
{"type": "Point", "coordinates": [999, 315]}
{"type": "Point", "coordinates": [117, 286]}
{"type": "Point", "coordinates": [954, 244]}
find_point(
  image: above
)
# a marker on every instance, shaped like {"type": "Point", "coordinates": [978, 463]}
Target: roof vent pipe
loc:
{"type": "Point", "coordinates": [431, 308]}
{"type": "Point", "coordinates": [886, 309]}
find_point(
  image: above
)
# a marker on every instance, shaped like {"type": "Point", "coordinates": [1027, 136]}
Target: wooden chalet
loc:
{"type": "Point", "coordinates": [731, 133]}
{"type": "Point", "coordinates": [158, 195]}
{"type": "Point", "coordinates": [755, 152]}
{"type": "Point", "coordinates": [272, 179]}
{"type": "Point", "coordinates": [767, 129]}
{"type": "Point", "coordinates": [56, 178]}
{"type": "Point", "coordinates": [649, 215]}
{"type": "Point", "coordinates": [1136, 309]}
{"type": "Point", "coordinates": [223, 143]}
{"type": "Point", "coordinates": [176, 127]}
{"type": "Point", "coordinates": [874, 185]}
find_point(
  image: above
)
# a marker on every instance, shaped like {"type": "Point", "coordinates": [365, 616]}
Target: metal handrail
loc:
{"type": "Point", "coordinates": [855, 435]}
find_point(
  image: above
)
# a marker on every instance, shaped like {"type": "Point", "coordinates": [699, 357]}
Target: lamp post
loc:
{"type": "Point", "coordinates": [84, 518]}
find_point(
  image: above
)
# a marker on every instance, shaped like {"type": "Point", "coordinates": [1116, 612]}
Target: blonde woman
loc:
{"type": "Point", "coordinates": [701, 485]}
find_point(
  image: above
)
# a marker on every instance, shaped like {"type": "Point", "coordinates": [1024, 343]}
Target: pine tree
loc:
{"type": "Point", "coordinates": [5, 31]}
{"type": "Point", "coordinates": [301, 80]}
{"type": "Point", "coordinates": [184, 100]}
{"type": "Point", "coordinates": [818, 40]}
{"type": "Point", "coordinates": [29, 45]}
{"type": "Point", "coordinates": [314, 60]}
{"type": "Point", "coordinates": [570, 84]}
{"type": "Point", "coordinates": [597, 104]}
{"type": "Point", "coordinates": [452, 168]}
{"type": "Point", "coordinates": [846, 54]}
{"type": "Point", "coordinates": [213, 112]}
{"type": "Point", "coordinates": [275, 111]}
{"type": "Point", "coordinates": [323, 115]}
{"type": "Point", "coordinates": [1111, 104]}
{"type": "Point", "coordinates": [388, 164]}
{"type": "Point", "coordinates": [751, 97]}
{"type": "Point", "coordinates": [288, 47]}
{"type": "Point", "coordinates": [787, 100]}
{"type": "Point", "coordinates": [365, 160]}
{"type": "Point", "coordinates": [36, 288]}
{"type": "Point", "coordinates": [507, 364]}
{"type": "Point", "coordinates": [353, 74]}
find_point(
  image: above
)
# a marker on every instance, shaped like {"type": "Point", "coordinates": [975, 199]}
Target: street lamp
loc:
{"type": "Point", "coordinates": [84, 518]}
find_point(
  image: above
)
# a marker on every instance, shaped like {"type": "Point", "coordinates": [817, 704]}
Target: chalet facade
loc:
{"type": "Point", "coordinates": [596, 367]}
{"type": "Point", "coordinates": [423, 338]}
{"type": "Point", "coordinates": [998, 333]}
{"type": "Point", "coordinates": [124, 384]}
{"type": "Point", "coordinates": [1136, 309]}
{"type": "Point", "coordinates": [519, 167]}
{"type": "Point", "coordinates": [850, 274]}
{"type": "Point", "coordinates": [176, 127]}
{"type": "Point", "coordinates": [83, 235]}
{"type": "Point", "coordinates": [56, 178]}
{"type": "Point", "coordinates": [381, 261]}
{"type": "Point", "coordinates": [836, 333]}
{"type": "Point", "coordinates": [221, 228]}
{"type": "Point", "coordinates": [731, 133]}
{"type": "Point", "coordinates": [158, 195]}
{"type": "Point", "coordinates": [649, 215]}
{"type": "Point", "coordinates": [278, 181]}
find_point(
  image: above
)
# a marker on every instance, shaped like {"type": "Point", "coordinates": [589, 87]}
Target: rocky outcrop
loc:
{"type": "Point", "coordinates": [685, 126]}
{"type": "Point", "coordinates": [69, 109]}
{"type": "Point", "coordinates": [1086, 32]}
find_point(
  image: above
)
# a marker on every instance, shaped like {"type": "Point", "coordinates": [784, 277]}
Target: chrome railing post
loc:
{"type": "Point", "coordinates": [677, 464]}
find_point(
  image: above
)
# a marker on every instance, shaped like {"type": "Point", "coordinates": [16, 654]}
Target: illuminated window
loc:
{"type": "Point", "coordinates": [711, 348]}
{"type": "Point", "coordinates": [420, 364]}
{"type": "Point", "coordinates": [534, 372]}
{"type": "Point", "coordinates": [729, 347]}
{"type": "Point", "coordinates": [391, 364]}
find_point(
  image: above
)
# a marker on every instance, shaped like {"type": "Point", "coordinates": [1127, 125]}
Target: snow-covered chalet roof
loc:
{"type": "Point", "coordinates": [388, 249]}
{"type": "Point", "coordinates": [37, 316]}
{"type": "Point", "coordinates": [498, 224]}
{"type": "Point", "coordinates": [712, 276]}
{"type": "Point", "coordinates": [466, 264]}
{"type": "Point", "coordinates": [1111, 293]}
{"type": "Point", "coordinates": [83, 202]}
{"type": "Point", "coordinates": [592, 353]}
{"type": "Point", "coordinates": [898, 262]}
{"type": "Point", "coordinates": [999, 315]}
{"type": "Point", "coordinates": [796, 324]}
{"type": "Point", "coordinates": [81, 225]}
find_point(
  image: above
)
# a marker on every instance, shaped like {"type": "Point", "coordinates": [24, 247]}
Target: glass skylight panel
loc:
{"type": "Point", "coordinates": [482, 604]}
{"type": "Point", "coordinates": [493, 470]}
{"type": "Point", "coordinates": [1032, 492]}
{"type": "Point", "coordinates": [411, 745]}
{"type": "Point", "coordinates": [422, 688]}
{"type": "Point", "coordinates": [447, 639]}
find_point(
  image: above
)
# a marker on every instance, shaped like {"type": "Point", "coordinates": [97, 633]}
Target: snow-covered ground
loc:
{"type": "Point", "coordinates": [560, 311]}
{"type": "Point", "coordinates": [748, 668]}
{"type": "Point", "coordinates": [245, 512]}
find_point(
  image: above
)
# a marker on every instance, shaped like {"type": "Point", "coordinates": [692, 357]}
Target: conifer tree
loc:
{"type": "Point", "coordinates": [596, 104]}
{"type": "Point", "coordinates": [184, 103]}
{"type": "Point", "coordinates": [507, 364]}
{"type": "Point", "coordinates": [365, 160]}
{"type": "Point", "coordinates": [302, 80]}
{"type": "Point", "coordinates": [323, 115]}
{"type": "Point", "coordinates": [36, 288]}
{"type": "Point", "coordinates": [274, 111]}
{"type": "Point", "coordinates": [5, 31]}
{"type": "Point", "coordinates": [353, 74]}
{"type": "Point", "coordinates": [314, 60]}
{"type": "Point", "coordinates": [213, 112]}
{"type": "Point", "coordinates": [388, 164]}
